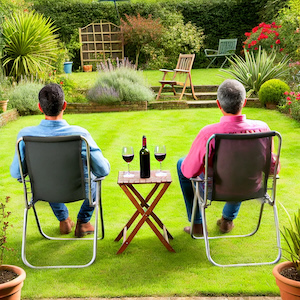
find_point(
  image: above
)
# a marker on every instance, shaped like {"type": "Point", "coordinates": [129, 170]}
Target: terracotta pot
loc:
{"type": "Point", "coordinates": [87, 68]}
{"type": "Point", "coordinates": [271, 105]}
{"type": "Point", "coordinates": [12, 290]}
{"type": "Point", "coordinates": [289, 289]}
{"type": "Point", "coordinates": [3, 105]}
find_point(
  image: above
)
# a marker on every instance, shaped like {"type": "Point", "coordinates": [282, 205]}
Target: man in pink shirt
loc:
{"type": "Point", "coordinates": [231, 98]}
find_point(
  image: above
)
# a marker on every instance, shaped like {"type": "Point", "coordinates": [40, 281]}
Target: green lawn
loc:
{"type": "Point", "coordinates": [199, 77]}
{"type": "Point", "coordinates": [146, 268]}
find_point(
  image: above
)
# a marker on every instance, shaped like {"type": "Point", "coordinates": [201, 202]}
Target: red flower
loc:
{"type": "Point", "coordinates": [255, 48]}
{"type": "Point", "coordinates": [288, 98]}
{"type": "Point", "coordinates": [286, 93]}
{"type": "Point", "coordinates": [277, 42]}
{"type": "Point", "coordinates": [61, 83]}
{"type": "Point", "coordinates": [281, 49]}
{"type": "Point", "coordinates": [248, 34]}
{"type": "Point", "coordinates": [271, 46]}
{"type": "Point", "coordinates": [255, 29]}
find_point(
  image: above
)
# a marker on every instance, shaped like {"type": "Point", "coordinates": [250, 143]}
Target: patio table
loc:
{"type": "Point", "coordinates": [128, 185]}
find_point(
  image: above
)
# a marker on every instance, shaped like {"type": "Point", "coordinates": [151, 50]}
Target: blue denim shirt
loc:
{"type": "Point", "coordinates": [99, 164]}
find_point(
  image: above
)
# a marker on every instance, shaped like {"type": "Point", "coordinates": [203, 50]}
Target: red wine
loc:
{"type": "Point", "coordinates": [144, 160]}
{"type": "Point", "coordinates": [160, 156]}
{"type": "Point", "coordinates": [128, 158]}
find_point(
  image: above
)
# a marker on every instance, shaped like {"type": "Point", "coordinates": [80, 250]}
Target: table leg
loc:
{"type": "Point", "coordinates": [145, 215]}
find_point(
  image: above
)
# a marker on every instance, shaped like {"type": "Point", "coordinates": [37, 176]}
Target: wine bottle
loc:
{"type": "Point", "coordinates": [144, 160]}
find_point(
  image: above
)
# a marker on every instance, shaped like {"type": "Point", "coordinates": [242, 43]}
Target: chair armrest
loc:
{"type": "Point", "coordinates": [183, 71]}
{"type": "Point", "coordinates": [164, 70]}
{"type": "Point", "coordinates": [196, 179]}
{"type": "Point", "coordinates": [99, 178]}
{"type": "Point", "coordinates": [212, 52]}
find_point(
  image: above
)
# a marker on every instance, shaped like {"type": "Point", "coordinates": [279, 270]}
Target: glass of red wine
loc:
{"type": "Point", "coordinates": [160, 155]}
{"type": "Point", "coordinates": [128, 155]}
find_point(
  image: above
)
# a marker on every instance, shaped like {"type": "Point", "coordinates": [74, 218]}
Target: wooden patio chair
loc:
{"type": "Point", "coordinates": [184, 66]}
{"type": "Point", "coordinates": [226, 48]}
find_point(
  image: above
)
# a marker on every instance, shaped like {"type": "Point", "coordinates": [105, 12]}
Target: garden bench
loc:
{"type": "Point", "coordinates": [226, 48]}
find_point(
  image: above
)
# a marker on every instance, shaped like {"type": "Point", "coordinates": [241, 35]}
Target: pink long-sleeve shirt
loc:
{"type": "Point", "coordinates": [194, 163]}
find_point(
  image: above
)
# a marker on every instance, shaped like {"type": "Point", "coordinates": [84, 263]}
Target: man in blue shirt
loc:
{"type": "Point", "coordinates": [52, 104]}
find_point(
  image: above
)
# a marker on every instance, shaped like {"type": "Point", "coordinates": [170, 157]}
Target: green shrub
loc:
{"type": "Point", "coordinates": [24, 97]}
{"type": "Point", "coordinates": [272, 91]}
{"type": "Point", "coordinates": [256, 69]}
{"type": "Point", "coordinates": [121, 84]}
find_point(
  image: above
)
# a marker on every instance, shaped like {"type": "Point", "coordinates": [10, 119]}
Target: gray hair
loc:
{"type": "Point", "coordinates": [231, 95]}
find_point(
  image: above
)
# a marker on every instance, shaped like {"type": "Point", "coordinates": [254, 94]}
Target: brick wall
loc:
{"type": "Point", "coordinates": [84, 108]}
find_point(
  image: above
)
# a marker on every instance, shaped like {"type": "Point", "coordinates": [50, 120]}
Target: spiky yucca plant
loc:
{"type": "Point", "coordinates": [256, 69]}
{"type": "Point", "coordinates": [292, 237]}
{"type": "Point", "coordinates": [30, 43]}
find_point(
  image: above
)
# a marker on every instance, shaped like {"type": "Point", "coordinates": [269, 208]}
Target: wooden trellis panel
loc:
{"type": "Point", "coordinates": [100, 41]}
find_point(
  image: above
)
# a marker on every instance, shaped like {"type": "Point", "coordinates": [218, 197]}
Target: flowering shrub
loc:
{"type": "Point", "coordinates": [265, 35]}
{"type": "Point", "coordinates": [291, 104]}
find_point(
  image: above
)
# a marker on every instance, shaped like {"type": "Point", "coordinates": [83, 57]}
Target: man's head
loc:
{"type": "Point", "coordinates": [231, 95]}
{"type": "Point", "coordinates": [51, 99]}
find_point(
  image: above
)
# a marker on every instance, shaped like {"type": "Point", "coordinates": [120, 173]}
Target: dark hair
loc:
{"type": "Point", "coordinates": [231, 95]}
{"type": "Point", "coordinates": [51, 98]}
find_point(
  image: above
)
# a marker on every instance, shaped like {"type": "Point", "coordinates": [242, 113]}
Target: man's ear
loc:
{"type": "Point", "coordinates": [218, 103]}
{"type": "Point", "coordinates": [245, 103]}
{"type": "Point", "coordinates": [39, 105]}
{"type": "Point", "coordinates": [64, 105]}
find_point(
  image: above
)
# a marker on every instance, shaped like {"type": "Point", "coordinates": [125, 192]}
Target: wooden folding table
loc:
{"type": "Point", "coordinates": [143, 208]}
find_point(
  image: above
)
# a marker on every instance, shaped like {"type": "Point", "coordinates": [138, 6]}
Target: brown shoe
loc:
{"type": "Point", "coordinates": [198, 230]}
{"type": "Point", "coordinates": [225, 225]}
{"type": "Point", "coordinates": [83, 229]}
{"type": "Point", "coordinates": [65, 226]}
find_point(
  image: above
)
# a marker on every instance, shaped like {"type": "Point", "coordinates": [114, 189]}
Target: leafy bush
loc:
{"type": "Point", "coordinates": [289, 18]}
{"type": "Point", "coordinates": [121, 84]}
{"type": "Point", "coordinates": [256, 69]}
{"type": "Point", "coordinates": [30, 44]}
{"type": "Point", "coordinates": [24, 97]}
{"type": "Point", "coordinates": [178, 38]}
{"type": "Point", "coordinates": [272, 91]}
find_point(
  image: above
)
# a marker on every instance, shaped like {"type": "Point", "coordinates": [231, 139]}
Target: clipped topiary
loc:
{"type": "Point", "coordinates": [272, 91]}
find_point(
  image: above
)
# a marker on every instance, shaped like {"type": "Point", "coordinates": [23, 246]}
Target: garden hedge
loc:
{"type": "Point", "coordinates": [218, 18]}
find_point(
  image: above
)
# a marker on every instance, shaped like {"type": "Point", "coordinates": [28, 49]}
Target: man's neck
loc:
{"type": "Point", "coordinates": [54, 118]}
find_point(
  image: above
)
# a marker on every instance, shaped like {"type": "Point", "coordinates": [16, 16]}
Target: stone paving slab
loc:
{"type": "Point", "coordinates": [175, 298]}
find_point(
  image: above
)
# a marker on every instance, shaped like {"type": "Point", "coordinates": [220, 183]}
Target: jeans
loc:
{"type": "Point", "coordinates": [230, 209]}
{"type": "Point", "coordinates": [85, 213]}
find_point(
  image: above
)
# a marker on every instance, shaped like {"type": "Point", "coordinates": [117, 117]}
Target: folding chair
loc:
{"type": "Point", "coordinates": [240, 171]}
{"type": "Point", "coordinates": [56, 174]}
{"type": "Point", "coordinates": [184, 66]}
{"type": "Point", "coordinates": [226, 48]}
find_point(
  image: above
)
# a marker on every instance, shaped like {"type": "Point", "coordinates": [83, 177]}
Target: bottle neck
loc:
{"type": "Point", "coordinates": [144, 142]}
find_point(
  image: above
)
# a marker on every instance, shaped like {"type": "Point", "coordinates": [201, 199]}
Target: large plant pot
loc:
{"type": "Point", "coordinates": [68, 67]}
{"type": "Point", "coordinates": [289, 289]}
{"type": "Point", "coordinates": [3, 105]}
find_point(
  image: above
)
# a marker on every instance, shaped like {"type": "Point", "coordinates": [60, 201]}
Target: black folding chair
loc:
{"type": "Point", "coordinates": [240, 169]}
{"type": "Point", "coordinates": [53, 171]}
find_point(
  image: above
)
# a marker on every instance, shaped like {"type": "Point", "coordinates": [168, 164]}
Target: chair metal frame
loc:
{"type": "Point", "coordinates": [184, 66]}
{"type": "Point", "coordinates": [226, 48]}
{"type": "Point", "coordinates": [25, 180]}
{"type": "Point", "coordinates": [203, 203]}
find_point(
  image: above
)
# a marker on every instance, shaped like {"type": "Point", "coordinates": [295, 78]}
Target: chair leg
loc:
{"type": "Point", "coordinates": [211, 62]}
{"type": "Point", "coordinates": [192, 88]}
{"type": "Point", "coordinates": [224, 62]}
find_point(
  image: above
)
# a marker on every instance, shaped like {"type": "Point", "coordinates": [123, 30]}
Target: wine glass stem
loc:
{"type": "Point", "coordinates": [160, 166]}
{"type": "Point", "coordinates": [128, 168]}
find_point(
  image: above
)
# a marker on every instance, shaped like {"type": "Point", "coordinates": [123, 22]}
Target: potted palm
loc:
{"type": "Point", "coordinates": [287, 273]}
{"type": "Point", "coordinates": [11, 277]}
